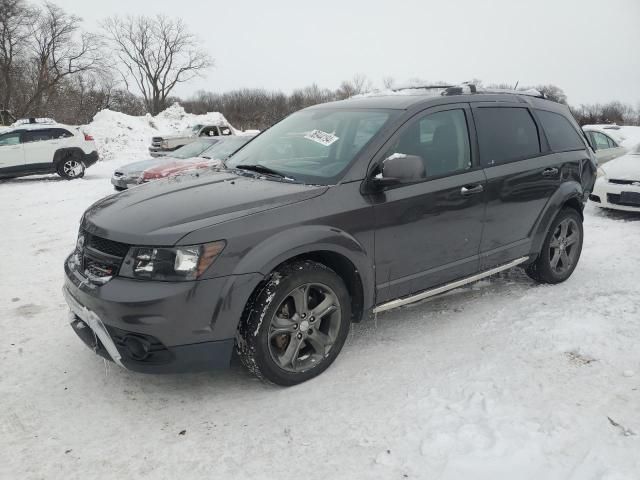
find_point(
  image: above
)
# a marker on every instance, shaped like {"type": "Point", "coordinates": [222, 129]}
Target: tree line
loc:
{"type": "Point", "coordinates": [51, 67]}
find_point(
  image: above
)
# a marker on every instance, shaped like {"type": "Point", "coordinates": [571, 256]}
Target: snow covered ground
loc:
{"type": "Point", "coordinates": [503, 379]}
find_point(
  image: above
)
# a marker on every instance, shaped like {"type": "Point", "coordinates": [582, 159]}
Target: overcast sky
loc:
{"type": "Point", "coordinates": [587, 47]}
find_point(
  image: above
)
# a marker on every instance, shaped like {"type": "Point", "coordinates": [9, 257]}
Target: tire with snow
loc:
{"type": "Point", "coordinates": [71, 166]}
{"type": "Point", "coordinates": [295, 324]}
{"type": "Point", "coordinates": [561, 249]}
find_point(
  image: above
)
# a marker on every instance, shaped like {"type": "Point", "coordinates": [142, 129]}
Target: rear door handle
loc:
{"type": "Point", "coordinates": [550, 172]}
{"type": "Point", "coordinates": [471, 190]}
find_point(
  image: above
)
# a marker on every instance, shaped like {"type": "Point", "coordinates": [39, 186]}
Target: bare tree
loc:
{"type": "Point", "coordinates": [358, 84]}
{"type": "Point", "coordinates": [15, 20]}
{"type": "Point", "coordinates": [58, 50]}
{"type": "Point", "coordinates": [388, 82]}
{"type": "Point", "coordinates": [155, 53]}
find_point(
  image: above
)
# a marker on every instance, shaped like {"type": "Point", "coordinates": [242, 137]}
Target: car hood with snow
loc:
{"type": "Point", "coordinates": [161, 213]}
{"type": "Point", "coordinates": [626, 167]}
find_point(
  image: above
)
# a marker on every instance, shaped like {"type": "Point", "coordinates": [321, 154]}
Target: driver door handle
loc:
{"type": "Point", "coordinates": [550, 172]}
{"type": "Point", "coordinates": [471, 190]}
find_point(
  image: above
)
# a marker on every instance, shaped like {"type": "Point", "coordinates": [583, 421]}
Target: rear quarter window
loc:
{"type": "Point", "coordinates": [505, 134]}
{"type": "Point", "coordinates": [560, 133]}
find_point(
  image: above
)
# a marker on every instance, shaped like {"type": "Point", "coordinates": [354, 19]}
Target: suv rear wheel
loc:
{"type": "Point", "coordinates": [294, 327]}
{"type": "Point", "coordinates": [71, 166]}
{"type": "Point", "coordinates": [561, 249]}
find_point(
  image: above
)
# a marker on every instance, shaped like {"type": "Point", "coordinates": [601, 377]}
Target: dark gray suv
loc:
{"type": "Point", "coordinates": [340, 211]}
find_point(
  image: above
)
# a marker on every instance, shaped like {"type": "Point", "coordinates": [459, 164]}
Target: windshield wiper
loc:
{"type": "Point", "coordinates": [262, 169]}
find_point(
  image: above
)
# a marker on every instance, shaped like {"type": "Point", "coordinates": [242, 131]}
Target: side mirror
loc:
{"type": "Point", "coordinates": [400, 168]}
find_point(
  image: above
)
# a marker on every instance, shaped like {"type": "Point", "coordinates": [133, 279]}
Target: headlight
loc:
{"type": "Point", "coordinates": [601, 173]}
{"type": "Point", "coordinates": [170, 264]}
{"type": "Point", "coordinates": [164, 144]}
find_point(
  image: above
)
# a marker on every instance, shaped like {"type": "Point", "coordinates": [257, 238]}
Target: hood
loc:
{"type": "Point", "coordinates": [143, 165]}
{"type": "Point", "coordinates": [162, 212]}
{"type": "Point", "coordinates": [626, 167]}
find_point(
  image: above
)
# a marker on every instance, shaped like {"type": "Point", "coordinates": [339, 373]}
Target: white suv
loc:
{"type": "Point", "coordinates": [36, 148]}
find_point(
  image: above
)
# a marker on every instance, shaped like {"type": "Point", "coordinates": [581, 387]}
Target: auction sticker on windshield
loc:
{"type": "Point", "coordinates": [323, 138]}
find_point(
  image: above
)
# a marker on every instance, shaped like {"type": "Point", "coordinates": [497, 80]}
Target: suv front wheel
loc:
{"type": "Point", "coordinates": [296, 324]}
{"type": "Point", "coordinates": [561, 249]}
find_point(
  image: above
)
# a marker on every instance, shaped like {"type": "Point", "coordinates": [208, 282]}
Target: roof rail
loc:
{"type": "Point", "coordinates": [470, 88]}
{"type": "Point", "coordinates": [34, 120]}
{"type": "Point", "coordinates": [422, 87]}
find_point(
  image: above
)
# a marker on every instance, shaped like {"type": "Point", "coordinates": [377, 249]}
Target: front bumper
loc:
{"type": "Point", "coordinates": [183, 326]}
{"type": "Point", "coordinates": [159, 151]}
{"type": "Point", "coordinates": [125, 181]}
{"type": "Point", "coordinates": [609, 195]}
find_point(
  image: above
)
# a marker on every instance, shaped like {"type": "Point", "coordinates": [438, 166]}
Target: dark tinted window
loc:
{"type": "Point", "coordinates": [505, 134]}
{"type": "Point", "coordinates": [60, 133]}
{"type": "Point", "coordinates": [38, 135]}
{"type": "Point", "coordinates": [441, 139]}
{"type": "Point", "coordinates": [560, 133]}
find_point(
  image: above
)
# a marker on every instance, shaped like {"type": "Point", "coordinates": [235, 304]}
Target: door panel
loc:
{"type": "Point", "coordinates": [39, 146]}
{"type": "Point", "coordinates": [11, 151]}
{"type": "Point", "coordinates": [428, 233]}
{"type": "Point", "coordinates": [516, 196]}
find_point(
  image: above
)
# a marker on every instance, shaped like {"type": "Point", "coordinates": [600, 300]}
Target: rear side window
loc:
{"type": "Point", "coordinates": [560, 133]}
{"type": "Point", "coordinates": [601, 141]}
{"type": "Point", "coordinates": [38, 135]}
{"type": "Point", "coordinates": [60, 133]}
{"type": "Point", "coordinates": [505, 134]}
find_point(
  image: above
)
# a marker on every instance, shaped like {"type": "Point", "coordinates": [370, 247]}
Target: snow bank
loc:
{"type": "Point", "coordinates": [627, 136]}
{"type": "Point", "coordinates": [117, 134]}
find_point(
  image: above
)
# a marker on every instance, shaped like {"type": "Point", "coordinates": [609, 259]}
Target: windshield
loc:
{"type": "Point", "coordinates": [313, 146]}
{"type": "Point", "coordinates": [192, 149]}
{"type": "Point", "coordinates": [196, 128]}
{"type": "Point", "coordinates": [224, 148]}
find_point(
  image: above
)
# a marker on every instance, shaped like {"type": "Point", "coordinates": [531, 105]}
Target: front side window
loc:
{"type": "Point", "coordinates": [440, 140]}
{"type": "Point", "coordinates": [560, 133]}
{"type": "Point", "coordinates": [313, 146]}
{"type": "Point", "coordinates": [10, 139]}
{"type": "Point", "coordinates": [505, 134]}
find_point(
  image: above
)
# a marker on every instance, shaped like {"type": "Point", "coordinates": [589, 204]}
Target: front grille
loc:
{"type": "Point", "coordinates": [156, 141]}
{"type": "Point", "coordinates": [623, 182]}
{"type": "Point", "coordinates": [104, 245]}
{"type": "Point", "coordinates": [101, 258]}
{"type": "Point", "coordinates": [616, 199]}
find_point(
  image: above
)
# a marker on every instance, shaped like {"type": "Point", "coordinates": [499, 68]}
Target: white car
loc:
{"type": "Point", "coordinates": [607, 148]}
{"type": "Point", "coordinates": [618, 183]}
{"type": "Point", "coordinates": [36, 148]}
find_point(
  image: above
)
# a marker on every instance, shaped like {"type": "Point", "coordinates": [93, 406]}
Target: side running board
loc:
{"type": "Point", "coordinates": [399, 302]}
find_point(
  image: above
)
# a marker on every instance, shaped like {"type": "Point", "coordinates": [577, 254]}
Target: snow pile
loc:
{"type": "Point", "coordinates": [120, 135]}
{"type": "Point", "coordinates": [627, 136]}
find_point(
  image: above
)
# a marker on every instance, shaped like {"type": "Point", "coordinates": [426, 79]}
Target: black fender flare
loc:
{"type": "Point", "coordinates": [568, 192]}
{"type": "Point", "coordinates": [62, 153]}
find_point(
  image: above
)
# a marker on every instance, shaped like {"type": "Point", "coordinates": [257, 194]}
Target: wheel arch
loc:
{"type": "Point", "coordinates": [62, 153]}
{"type": "Point", "coordinates": [329, 246]}
{"type": "Point", "coordinates": [570, 194]}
